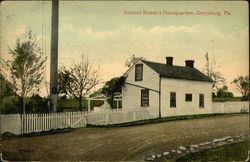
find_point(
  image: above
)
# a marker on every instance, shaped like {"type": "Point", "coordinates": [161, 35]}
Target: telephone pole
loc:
{"type": "Point", "coordinates": [54, 55]}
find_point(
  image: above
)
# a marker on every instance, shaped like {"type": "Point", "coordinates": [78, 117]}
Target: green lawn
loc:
{"type": "Point", "coordinates": [233, 152]}
{"type": "Point", "coordinates": [227, 99]}
{"type": "Point", "coordinates": [72, 104]}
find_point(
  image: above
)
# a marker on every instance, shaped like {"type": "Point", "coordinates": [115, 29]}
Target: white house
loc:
{"type": "Point", "coordinates": [167, 89]}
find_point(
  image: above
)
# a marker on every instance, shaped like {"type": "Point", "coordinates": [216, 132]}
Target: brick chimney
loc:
{"type": "Point", "coordinates": [189, 63]}
{"type": "Point", "coordinates": [169, 60]}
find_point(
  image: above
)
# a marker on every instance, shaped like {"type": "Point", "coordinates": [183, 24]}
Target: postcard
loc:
{"type": "Point", "coordinates": [124, 80]}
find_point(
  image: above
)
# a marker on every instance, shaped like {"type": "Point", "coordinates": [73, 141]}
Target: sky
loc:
{"type": "Point", "coordinates": [110, 32]}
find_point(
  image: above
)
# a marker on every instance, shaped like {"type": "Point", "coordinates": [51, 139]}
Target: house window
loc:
{"type": "Point", "coordinates": [172, 99]}
{"type": "Point", "coordinates": [138, 72]}
{"type": "Point", "coordinates": [188, 97]}
{"type": "Point", "coordinates": [201, 100]}
{"type": "Point", "coordinates": [144, 98]}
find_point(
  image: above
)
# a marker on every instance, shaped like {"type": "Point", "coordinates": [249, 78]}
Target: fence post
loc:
{"type": "Point", "coordinates": [22, 123]}
{"type": "Point", "coordinates": [43, 122]}
{"type": "Point", "coordinates": [134, 115]}
{"type": "Point", "coordinates": [106, 121]}
{"type": "Point", "coordinates": [19, 121]}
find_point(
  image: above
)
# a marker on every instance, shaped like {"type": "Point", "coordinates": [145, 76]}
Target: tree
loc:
{"type": "Point", "coordinates": [210, 70]}
{"type": "Point", "coordinates": [78, 80]}
{"type": "Point", "coordinates": [38, 104]}
{"type": "Point", "coordinates": [223, 92]}
{"type": "Point", "coordinates": [132, 60]}
{"type": "Point", "coordinates": [26, 67]}
{"type": "Point", "coordinates": [64, 80]}
{"type": "Point", "coordinates": [241, 84]}
{"type": "Point", "coordinates": [10, 105]}
{"type": "Point", "coordinates": [112, 87]}
{"type": "Point", "coordinates": [6, 88]}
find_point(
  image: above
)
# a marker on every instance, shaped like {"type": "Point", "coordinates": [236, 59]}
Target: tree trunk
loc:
{"type": "Point", "coordinates": [23, 105]}
{"type": "Point", "coordinates": [80, 102]}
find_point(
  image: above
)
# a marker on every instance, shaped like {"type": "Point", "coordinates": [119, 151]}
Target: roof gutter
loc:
{"type": "Point", "coordinates": [142, 87]}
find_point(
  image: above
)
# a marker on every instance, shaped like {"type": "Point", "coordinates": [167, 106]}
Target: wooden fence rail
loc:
{"type": "Point", "coordinates": [44, 122]}
{"type": "Point", "coordinates": [120, 116]}
{"type": "Point", "coordinates": [31, 123]}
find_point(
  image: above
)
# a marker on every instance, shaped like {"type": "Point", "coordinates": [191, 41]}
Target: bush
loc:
{"type": "Point", "coordinates": [11, 105]}
{"type": "Point", "coordinates": [37, 104]}
{"type": "Point", "coordinates": [245, 98]}
{"type": "Point", "coordinates": [222, 93]}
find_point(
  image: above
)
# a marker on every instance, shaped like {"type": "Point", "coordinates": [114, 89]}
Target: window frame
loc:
{"type": "Point", "coordinates": [142, 99]}
{"type": "Point", "coordinates": [136, 66]}
{"type": "Point", "coordinates": [188, 97]}
{"type": "Point", "coordinates": [203, 101]}
{"type": "Point", "coordinates": [172, 100]}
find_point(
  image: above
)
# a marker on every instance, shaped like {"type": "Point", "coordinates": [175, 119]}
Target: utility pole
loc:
{"type": "Point", "coordinates": [54, 55]}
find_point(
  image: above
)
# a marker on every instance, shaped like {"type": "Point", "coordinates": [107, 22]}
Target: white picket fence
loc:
{"type": "Point", "coordinates": [120, 116]}
{"type": "Point", "coordinates": [30, 123]}
{"type": "Point", "coordinates": [44, 122]}
{"type": "Point", "coordinates": [11, 123]}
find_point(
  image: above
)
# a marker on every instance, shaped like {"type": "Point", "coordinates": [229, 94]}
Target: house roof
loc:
{"type": "Point", "coordinates": [180, 72]}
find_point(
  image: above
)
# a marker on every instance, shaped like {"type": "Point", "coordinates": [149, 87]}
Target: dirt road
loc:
{"type": "Point", "coordinates": [125, 143]}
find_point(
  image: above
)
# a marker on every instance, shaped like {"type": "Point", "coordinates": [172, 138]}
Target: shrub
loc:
{"type": "Point", "coordinates": [37, 104]}
{"type": "Point", "coordinates": [11, 105]}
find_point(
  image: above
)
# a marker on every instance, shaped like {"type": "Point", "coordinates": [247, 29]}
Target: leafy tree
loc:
{"type": "Point", "coordinates": [64, 80]}
{"type": "Point", "coordinates": [96, 93]}
{"type": "Point", "coordinates": [132, 60]}
{"type": "Point", "coordinates": [10, 105]}
{"type": "Point", "coordinates": [38, 104]}
{"type": "Point", "coordinates": [78, 80]}
{"type": "Point", "coordinates": [26, 67]}
{"type": "Point", "coordinates": [223, 93]}
{"type": "Point", "coordinates": [6, 88]}
{"type": "Point", "coordinates": [210, 70]}
{"type": "Point", "coordinates": [241, 84]}
{"type": "Point", "coordinates": [112, 87]}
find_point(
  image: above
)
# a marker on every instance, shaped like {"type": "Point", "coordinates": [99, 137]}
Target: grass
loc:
{"type": "Point", "coordinates": [72, 104]}
{"type": "Point", "coordinates": [8, 135]}
{"type": "Point", "coordinates": [233, 152]}
{"type": "Point", "coordinates": [223, 99]}
{"type": "Point", "coordinates": [158, 120]}
{"type": "Point", "coordinates": [69, 102]}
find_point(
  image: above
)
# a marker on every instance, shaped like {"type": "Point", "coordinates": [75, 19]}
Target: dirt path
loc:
{"type": "Point", "coordinates": [126, 143]}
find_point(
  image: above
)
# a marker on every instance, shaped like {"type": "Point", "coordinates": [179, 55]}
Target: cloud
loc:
{"type": "Point", "coordinates": [182, 41]}
{"type": "Point", "coordinates": [11, 36]}
{"type": "Point", "coordinates": [67, 27]}
{"type": "Point", "coordinates": [101, 34]}
{"type": "Point", "coordinates": [113, 47]}
{"type": "Point", "coordinates": [154, 43]}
